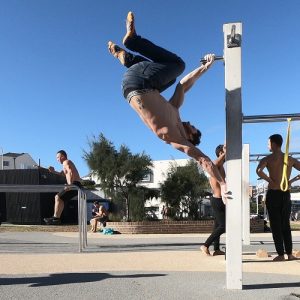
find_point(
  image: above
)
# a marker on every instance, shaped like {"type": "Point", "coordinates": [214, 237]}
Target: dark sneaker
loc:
{"type": "Point", "coordinates": [52, 221]}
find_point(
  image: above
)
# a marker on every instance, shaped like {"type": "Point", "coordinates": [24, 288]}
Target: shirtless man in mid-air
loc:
{"type": "Point", "coordinates": [149, 75]}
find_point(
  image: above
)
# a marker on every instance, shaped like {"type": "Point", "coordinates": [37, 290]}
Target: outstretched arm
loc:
{"type": "Point", "coordinates": [188, 81]}
{"type": "Point", "coordinates": [203, 160]}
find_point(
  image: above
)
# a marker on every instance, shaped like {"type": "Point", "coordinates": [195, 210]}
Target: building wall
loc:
{"type": "Point", "coordinates": [159, 174]}
{"type": "Point", "coordinates": [23, 161]}
{"type": "Point", "coordinates": [154, 180]}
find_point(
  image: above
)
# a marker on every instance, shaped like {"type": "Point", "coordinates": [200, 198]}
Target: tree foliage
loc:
{"type": "Point", "coordinates": [183, 189]}
{"type": "Point", "coordinates": [119, 171]}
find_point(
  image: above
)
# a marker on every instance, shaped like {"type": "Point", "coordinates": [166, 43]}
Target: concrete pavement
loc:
{"type": "Point", "coordinates": [165, 267]}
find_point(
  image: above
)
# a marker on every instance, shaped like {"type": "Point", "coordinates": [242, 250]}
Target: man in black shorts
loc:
{"type": "Point", "coordinates": [73, 178]}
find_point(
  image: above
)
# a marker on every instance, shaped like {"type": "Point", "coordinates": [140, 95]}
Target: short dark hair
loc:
{"type": "Point", "coordinates": [195, 138]}
{"type": "Point", "coordinates": [63, 152]}
{"type": "Point", "coordinates": [276, 139]}
{"type": "Point", "coordinates": [219, 149]}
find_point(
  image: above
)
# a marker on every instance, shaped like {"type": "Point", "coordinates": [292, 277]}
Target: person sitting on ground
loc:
{"type": "Point", "coordinates": [73, 178]}
{"type": "Point", "coordinates": [149, 75]}
{"type": "Point", "coordinates": [100, 214]}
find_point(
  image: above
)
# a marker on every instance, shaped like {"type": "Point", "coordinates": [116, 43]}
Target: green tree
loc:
{"type": "Point", "coordinates": [119, 171]}
{"type": "Point", "coordinates": [183, 189]}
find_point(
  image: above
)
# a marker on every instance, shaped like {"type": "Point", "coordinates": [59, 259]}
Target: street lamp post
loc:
{"type": "Point", "coordinates": [2, 161]}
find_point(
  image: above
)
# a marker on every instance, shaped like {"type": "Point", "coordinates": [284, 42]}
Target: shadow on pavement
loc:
{"type": "Point", "coordinates": [271, 285]}
{"type": "Point", "coordinates": [68, 278]}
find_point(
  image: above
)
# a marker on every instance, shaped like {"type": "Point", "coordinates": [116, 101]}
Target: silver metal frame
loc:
{"type": "Point", "coordinates": [233, 101]}
{"type": "Point", "coordinates": [82, 206]}
{"type": "Point", "coordinates": [270, 118]}
{"type": "Point", "coordinates": [258, 157]}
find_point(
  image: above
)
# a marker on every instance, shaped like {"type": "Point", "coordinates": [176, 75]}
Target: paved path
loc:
{"type": "Point", "coordinates": [41, 265]}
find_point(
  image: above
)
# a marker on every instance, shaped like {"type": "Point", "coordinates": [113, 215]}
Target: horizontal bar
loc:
{"type": "Point", "coordinates": [270, 118]}
{"type": "Point", "coordinates": [256, 157]}
{"type": "Point", "coordinates": [27, 188]}
{"type": "Point", "coordinates": [203, 60]}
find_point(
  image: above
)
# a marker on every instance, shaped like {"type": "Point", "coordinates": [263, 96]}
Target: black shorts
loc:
{"type": "Point", "coordinates": [67, 195]}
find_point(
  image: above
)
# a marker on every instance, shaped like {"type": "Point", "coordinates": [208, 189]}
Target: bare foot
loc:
{"type": "Point", "coordinates": [130, 28]}
{"type": "Point", "coordinates": [279, 258]}
{"type": "Point", "coordinates": [205, 250]}
{"type": "Point", "coordinates": [117, 52]}
{"type": "Point", "coordinates": [291, 257]}
{"type": "Point", "coordinates": [218, 252]}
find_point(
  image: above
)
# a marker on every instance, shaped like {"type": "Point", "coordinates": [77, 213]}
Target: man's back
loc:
{"type": "Point", "coordinates": [274, 164]}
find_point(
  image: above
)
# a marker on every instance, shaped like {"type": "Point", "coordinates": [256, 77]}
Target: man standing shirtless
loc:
{"type": "Point", "coordinates": [72, 177]}
{"type": "Point", "coordinates": [278, 202]}
{"type": "Point", "coordinates": [149, 75]}
{"type": "Point", "coordinates": [218, 206]}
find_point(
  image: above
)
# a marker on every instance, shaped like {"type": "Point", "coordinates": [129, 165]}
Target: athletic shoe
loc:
{"type": "Point", "coordinates": [52, 221]}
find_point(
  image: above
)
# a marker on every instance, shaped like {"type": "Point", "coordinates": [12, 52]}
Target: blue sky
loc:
{"type": "Point", "coordinates": [60, 86]}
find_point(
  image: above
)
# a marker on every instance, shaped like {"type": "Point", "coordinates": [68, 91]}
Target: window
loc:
{"type": "Point", "coordinates": [5, 163]}
{"type": "Point", "coordinates": [148, 177]}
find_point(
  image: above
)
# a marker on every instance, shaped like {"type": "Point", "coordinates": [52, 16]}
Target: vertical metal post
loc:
{"type": "Point", "coordinates": [2, 159]}
{"type": "Point", "coordinates": [84, 219]}
{"type": "Point", "coordinates": [80, 220]}
{"type": "Point", "coordinates": [232, 55]}
{"type": "Point", "coordinates": [245, 194]}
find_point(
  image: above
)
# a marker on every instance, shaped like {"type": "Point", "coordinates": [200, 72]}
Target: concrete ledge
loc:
{"type": "Point", "coordinates": [171, 227]}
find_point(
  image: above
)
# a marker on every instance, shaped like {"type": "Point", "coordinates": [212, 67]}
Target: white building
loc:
{"type": "Point", "coordinates": [295, 198]}
{"type": "Point", "coordinates": [10, 161]}
{"type": "Point", "coordinates": [154, 179]}
{"type": "Point", "coordinates": [158, 175]}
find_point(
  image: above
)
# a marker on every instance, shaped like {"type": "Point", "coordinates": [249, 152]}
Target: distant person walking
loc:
{"type": "Point", "coordinates": [218, 206]}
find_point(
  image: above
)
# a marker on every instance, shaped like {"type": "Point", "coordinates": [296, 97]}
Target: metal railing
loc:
{"type": "Point", "coordinates": [82, 206]}
{"type": "Point", "coordinates": [270, 118]}
{"type": "Point", "coordinates": [257, 157]}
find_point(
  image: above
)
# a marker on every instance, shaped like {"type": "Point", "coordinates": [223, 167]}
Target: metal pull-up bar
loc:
{"type": "Point", "coordinates": [257, 157]}
{"type": "Point", "coordinates": [203, 60]}
{"type": "Point", "coordinates": [270, 118]}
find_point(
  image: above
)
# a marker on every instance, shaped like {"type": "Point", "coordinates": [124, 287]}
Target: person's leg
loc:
{"type": "Point", "coordinates": [221, 226]}
{"type": "Point", "coordinates": [216, 242]}
{"type": "Point", "coordinates": [219, 213]}
{"type": "Point", "coordinates": [58, 206]}
{"type": "Point", "coordinates": [286, 228]}
{"type": "Point", "coordinates": [92, 224]}
{"type": "Point", "coordinates": [136, 43]}
{"type": "Point", "coordinates": [166, 66]}
{"type": "Point", "coordinates": [95, 224]}
{"type": "Point", "coordinates": [273, 204]}
{"type": "Point", "coordinates": [126, 58]}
